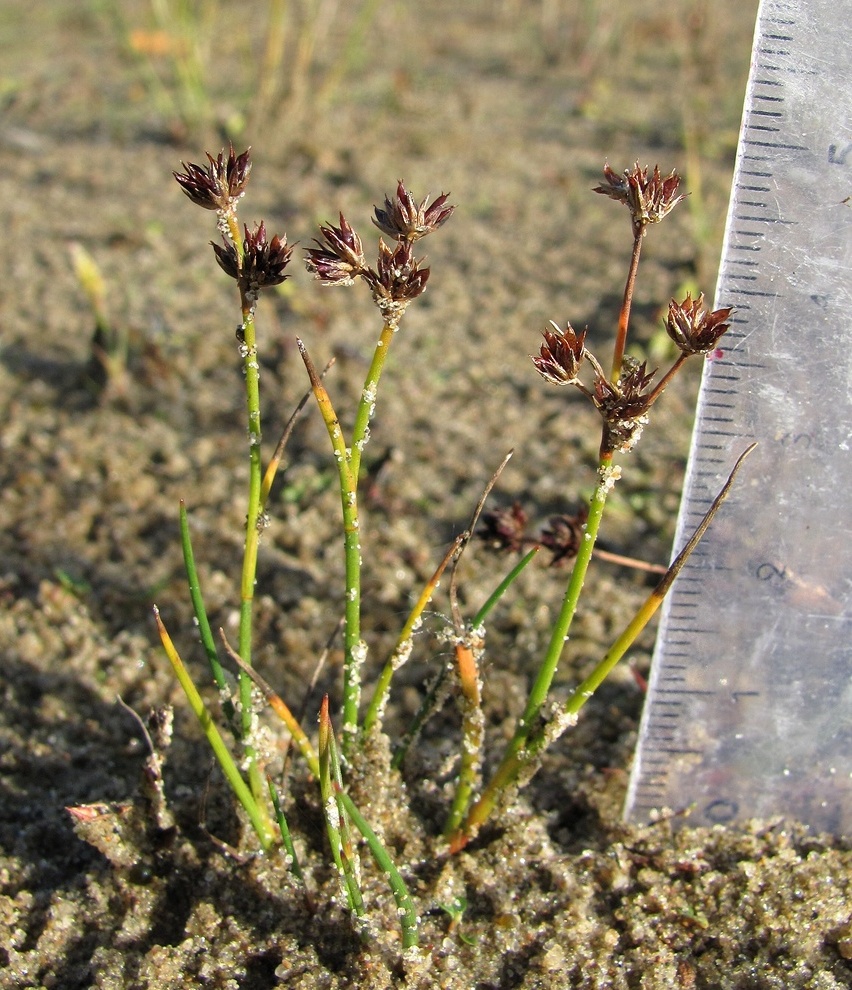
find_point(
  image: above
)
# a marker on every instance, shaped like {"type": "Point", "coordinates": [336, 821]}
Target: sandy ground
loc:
{"type": "Point", "coordinates": [513, 107]}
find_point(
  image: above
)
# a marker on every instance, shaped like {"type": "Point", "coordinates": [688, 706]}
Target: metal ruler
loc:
{"type": "Point", "coordinates": [749, 707]}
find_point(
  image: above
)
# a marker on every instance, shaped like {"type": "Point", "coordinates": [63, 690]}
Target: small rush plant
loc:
{"type": "Point", "coordinates": [621, 391]}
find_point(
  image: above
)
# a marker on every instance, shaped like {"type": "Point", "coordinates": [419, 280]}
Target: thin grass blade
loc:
{"type": "Point", "coordinates": [503, 587]}
{"type": "Point", "coordinates": [256, 813]}
{"type": "Point", "coordinates": [434, 698]}
{"type": "Point", "coordinates": [473, 730]}
{"type": "Point", "coordinates": [279, 706]}
{"type": "Point", "coordinates": [407, 913]}
{"type": "Point", "coordinates": [277, 456]}
{"type": "Point", "coordinates": [643, 616]}
{"type": "Point", "coordinates": [204, 630]}
{"type": "Point", "coordinates": [287, 839]}
{"type": "Point", "coordinates": [331, 811]}
{"type": "Point", "coordinates": [403, 647]}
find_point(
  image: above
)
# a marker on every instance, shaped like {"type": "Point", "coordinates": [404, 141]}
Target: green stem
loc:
{"type": "Point", "coordinates": [249, 572]}
{"type": "Point", "coordinates": [250, 367]}
{"type": "Point", "coordinates": [277, 704]}
{"type": "Point", "coordinates": [351, 860]}
{"type": "Point", "coordinates": [559, 635]}
{"type": "Point", "coordinates": [286, 837]}
{"type": "Point", "coordinates": [204, 630]}
{"type": "Point", "coordinates": [360, 432]}
{"type": "Point", "coordinates": [404, 904]}
{"type": "Point", "coordinates": [503, 587]}
{"type": "Point", "coordinates": [353, 648]}
{"type": "Point", "coordinates": [336, 822]}
{"type": "Point", "coordinates": [251, 371]}
{"type": "Point", "coordinates": [254, 809]}
{"type": "Point", "coordinates": [648, 608]}
{"type": "Point", "coordinates": [473, 732]}
{"type": "Point", "coordinates": [513, 760]}
{"type": "Point", "coordinates": [405, 642]}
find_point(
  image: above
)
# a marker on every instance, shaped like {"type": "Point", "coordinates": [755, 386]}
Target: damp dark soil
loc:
{"type": "Point", "coordinates": [513, 106]}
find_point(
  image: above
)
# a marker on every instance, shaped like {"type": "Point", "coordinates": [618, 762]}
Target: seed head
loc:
{"type": "Point", "coordinates": [342, 257]}
{"type": "Point", "coordinates": [694, 329]}
{"type": "Point", "coordinates": [220, 184]}
{"type": "Point", "coordinates": [626, 398]}
{"type": "Point", "coordinates": [505, 529]}
{"type": "Point", "coordinates": [261, 264]}
{"type": "Point", "coordinates": [624, 404]}
{"type": "Point", "coordinates": [404, 220]}
{"type": "Point", "coordinates": [398, 277]}
{"type": "Point", "coordinates": [562, 536]}
{"type": "Point", "coordinates": [649, 198]}
{"type": "Point", "coordinates": [561, 355]}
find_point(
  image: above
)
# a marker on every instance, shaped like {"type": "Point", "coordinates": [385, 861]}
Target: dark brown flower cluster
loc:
{"type": "Point", "coordinates": [220, 184]}
{"type": "Point", "coordinates": [650, 198]}
{"type": "Point", "coordinates": [561, 355]}
{"type": "Point", "coordinates": [398, 276]}
{"type": "Point", "coordinates": [622, 404]}
{"type": "Point", "coordinates": [506, 529]}
{"type": "Point", "coordinates": [256, 263]}
{"type": "Point", "coordinates": [259, 264]}
{"type": "Point", "coordinates": [562, 536]}
{"type": "Point", "coordinates": [623, 399]}
{"type": "Point", "coordinates": [342, 259]}
{"type": "Point", "coordinates": [694, 329]}
{"type": "Point", "coordinates": [405, 220]}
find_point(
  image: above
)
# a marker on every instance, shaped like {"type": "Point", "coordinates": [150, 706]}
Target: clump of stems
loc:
{"type": "Point", "coordinates": [622, 397]}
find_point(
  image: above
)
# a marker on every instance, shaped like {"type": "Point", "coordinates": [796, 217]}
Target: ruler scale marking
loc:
{"type": "Point", "coordinates": [756, 631]}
